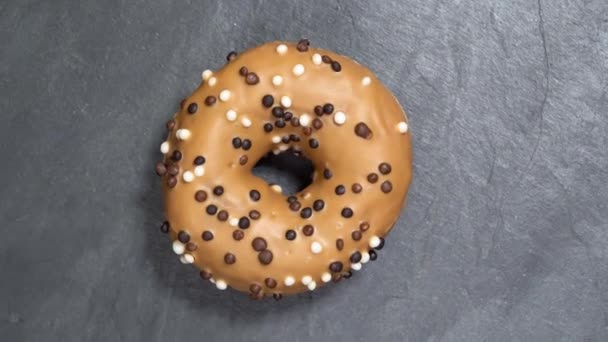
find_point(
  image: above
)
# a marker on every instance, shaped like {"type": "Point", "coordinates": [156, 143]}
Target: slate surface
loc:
{"type": "Point", "coordinates": [506, 234]}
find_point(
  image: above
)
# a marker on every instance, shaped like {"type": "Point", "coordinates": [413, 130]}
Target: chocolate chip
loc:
{"type": "Point", "coordinates": [278, 112]}
{"type": "Point", "coordinates": [347, 212]}
{"type": "Point", "coordinates": [210, 100]}
{"type": "Point", "coordinates": [244, 222]}
{"type": "Point", "coordinates": [267, 101]}
{"type": "Point", "coordinates": [170, 124]}
{"type": "Point", "coordinates": [295, 121]}
{"type": "Point", "coordinates": [372, 177]}
{"type": "Point", "coordinates": [335, 266]}
{"type": "Point", "coordinates": [290, 234]}
{"type": "Point", "coordinates": [306, 213]}
{"type": "Point", "coordinates": [258, 244]}
{"type": "Point", "coordinates": [164, 228]}
{"type": "Point", "coordinates": [356, 235]}
{"type": "Point", "coordinates": [254, 214]}
{"type": "Point", "coordinates": [317, 123]}
{"type": "Point", "coordinates": [287, 116]}
{"type": "Point", "coordinates": [373, 255]}
{"type": "Point", "coordinates": [205, 275]}
{"type": "Point", "coordinates": [211, 209]}
{"type": "Point", "coordinates": [176, 156]}
{"type": "Point", "coordinates": [199, 160]}
{"type": "Point", "coordinates": [173, 169]}
{"type": "Point", "coordinates": [347, 275]}
{"type": "Point", "coordinates": [246, 144]}
{"type": "Point", "coordinates": [222, 215]}
{"type": "Point", "coordinates": [265, 257]}
{"type": "Point", "coordinates": [171, 182]}
{"type": "Point", "coordinates": [355, 257]}
{"type": "Point", "coordinates": [335, 66]}
{"type": "Point", "coordinates": [313, 143]}
{"type": "Point", "coordinates": [308, 230]}
{"type": "Point", "coordinates": [327, 174]}
{"type": "Point", "coordinates": [340, 244]}
{"type": "Point", "coordinates": [183, 237]}
{"type": "Point", "coordinates": [237, 142]}
{"type": "Point", "coordinates": [200, 196]}
{"type": "Point", "coordinates": [218, 190]}
{"type": "Point", "coordinates": [243, 71]}
{"type": "Point", "coordinates": [207, 235]}
{"type": "Point", "coordinates": [356, 188]}
{"type": "Point", "coordinates": [385, 168]}
{"type": "Point", "coordinates": [362, 131]}
{"type": "Point", "coordinates": [255, 195]}
{"type": "Point", "coordinates": [318, 110]}
{"type": "Point", "coordinates": [381, 245]}
{"type": "Point", "coordinates": [307, 131]}
{"type": "Point", "coordinates": [364, 226]}
{"type": "Point", "coordinates": [161, 169]}
{"type": "Point", "coordinates": [268, 127]}
{"type": "Point", "coordinates": [318, 205]}
{"type": "Point", "coordinates": [291, 199]}
{"type": "Point", "coordinates": [270, 283]}
{"type": "Point", "coordinates": [328, 108]}
{"type": "Point", "coordinates": [192, 108]}
{"type": "Point", "coordinates": [340, 190]}
{"type": "Point", "coordinates": [238, 235]}
{"type": "Point", "coordinates": [191, 247]}
{"type": "Point", "coordinates": [231, 56]}
{"type": "Point", "coordinates": [229, 258]}
{"type": "Point", "coordinates": [243, 159]}
{"type": "Point", "coordinates": [252, 78]}
{"type": "Point", "coordinates": [280, 123]}
{"type": "Point", "coordinates": [326, 59]}
{"type": "Point", "coordinates": [295, 206]}
{"type": "Point", "coordinates": [303, 45]}
{"type": "Point", "coordinates": [386, 187]}
{"type": "Point", "coordinates": [255, 288]}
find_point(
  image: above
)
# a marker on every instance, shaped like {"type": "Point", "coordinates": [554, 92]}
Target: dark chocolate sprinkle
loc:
{"type": "Point", "coordinates": [327, 174]}
{"type": "Point", "coordinates": [303, 45]}
{"type": "Point", "coordinates": [218, 190]}
{"type": "Point", "coordinates": [252, 78]}
{"type": "Point", "coordinates": [243, 160]}
{"type": "Point", "coordinates": [164, 228]}
{"type": "Point", "coordinates": [328, 108]}
{"type": "Point", "coordinates": [385, 168]}
{"type": "Point", "coordinates": [229, 258]}
{"type": "Point", "coordinates": [265, 257]}
{"type": "Point", "coordinates": [355, 257]}
{"type": "Point", "coordinates": [295, 121]}
{"type": "Point", "coordinates": [280, 123]}
{"type": "Point", "coordinates": [318, 110]}
{"type": "Point", "coordinates": [313, 143]}
{"type": "Point", "coordinates": [318, 205]}
{"type": "Point", "coordinates": [287, 116]}
{"type": "Point", "coordinates": [306, 213]}
{"type": "Point", "coordinates": [307, 131]}
{"type": "Point", "coordinates": [291, 199]}
{"type": "Point", "coordinates": [290, 234]}
{"type": "Point", "coordinates": [339, 244]}
{"type": "Point", "coordinates": [381, 245]}
{"type": "Point", "coordinates": [238, 235]}
{"type": "Point", "coordinates": [192, 108]}
{"type": "Point", "coordinates": [200, 196]}
{"type": "Point", "coordinates": [244, 222]}
{"type": "Point", "coordinates": [205, 275]}
{"type": "Point", "coordinates": [356, 188]}
{"type": "Point", "coordinates": [243, 71]}
{"type": "Point", "coordinates": [363, 226]}
{"type": "Point", "coordinates": [336, 277]}
{"type": "Point", "coordinates": [270, 283]}
{"type": "Point", "coordinates": [183, 237]}
{"type": "Point", "coordinates": [246, 144]}
{"type": "Point", "coordinates": [191, 246]}
{"type": "Point", "coordinates": [361, 130]}
{"type": "Point", "coordinates": [182, 103]}
{"type": "Point", "coordinates": [254, 214]}
{"type": "Point", "coordinates": [335, 66]}
{"type": "Point", "coordinates": [267, 101]}
{"type": "Point", "coordinates": [285, 139]}
{"type": "Point", "coordinates": [326, 59]}
{"type": "Point", "coordinates": [237, 142]}
{"type": "Point", "coordinates": [340, 190]}
{"type": "Point", "coordinates": [207, 235]}
{"type": "Point", "coordinates": [335, 266]}
{"type": "Point", "coordinates": [294, 138]}
{"type": "Point", "coordinates": [170, 124]}
{"type": "Point", "coordinates": [268, 127]}
{"type": "Point", "coordinates": [173, 170]}
{"type": "Point", "coordinates": [347, 275]}
{"type": "Point", "coordinates": [386, 187]}
{"type": "Point", "coordinates": [176, 156]}
{"type": "Point", "coordinates": [222, 215]}
{"type": "Point", "coordinates": [254, 195]}
{"type": "Point", "coordinates": [317, 123]}
{"type": "Point", "coordinates": [308, 230]}
{"type": "Point", "coordinates": [295, 206]}
{"type": "Point", "coordinates": [373, 255]}
{"type": "Point", "coordinates": [356, 235]}
{"type": "Point", "coordinates": [277, 296]}
{"type": "Point", "coordinates": [211, 209]}
{"type": "Point", "coordinates": [171, 182]}
{"type": "Point", "coordinates": [347, 213]}
{"type": "Point", "coordinates": [278, 112]}
{"type": "Point", "coordinates": [372, 177]}
{"type": "Point", "coordinates": [161, 169]}
{"type": "Point", "coordinates": [231, 56]}
{"type": "Point", "coordinates": [199, 160]}
{"type": "Point", "coordinates": [258, 244]}
{"type": "Point", "coordinates": [255, 288]}
{"type": "Point", "coordinates": [210, 100]}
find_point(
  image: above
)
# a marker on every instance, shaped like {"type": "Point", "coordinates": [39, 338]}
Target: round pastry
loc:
{"type": "Point", "coordinates": [281, 97]}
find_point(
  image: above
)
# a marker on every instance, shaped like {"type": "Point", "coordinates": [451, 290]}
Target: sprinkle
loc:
{"type": "Point", "coordinates": [182, 259]}
{"type": "Point", "coordinates": [276, 188]}
{"type": "Point", "coordinates": [231, 115]}
{"type": "Point", "coordinates": [225, 95]}
{"type": "Point", "coordinates": [283, 148]}
{"type": "Point", "coordinates": [316, 247]}
{"type": "Point", "coordinates": [199, 171]}
{"type": "Point", "coordinates": [366, 81]}
{"type": "Point", "coordinates": [298, 70]}
{"type": "Point", "coordinates": [304, 119]}
{"type": "Point", "coordinates": [402, 127]}
{"type": "Point", "coordinates": [206, 74]}
{"type": "Point", "coordinates": [212, 280]}
{"type": "Point", "coordinates": [335, 66]}
{"type": "Point", "coordinates": [252, 78]}
{"type": "Point", "coordinates": [286, 101]}
{"type": "Point", "coordinates": [188, 258]}
{"type": "Point", "coordinates": [277, 80]}
{"type": "Point", "coordinates": [363, 131]}
{"type": "Point", "coordinates": [386, 187]}
{"type": "Point", "coordinates": [316, 59]}
{"type": "Point", "coordinates": [243, 71]}
{"type": "Point", "coordinates": [192, 108]}
{"type": "Point", "coordinates": [188, 176]}
{"type": "Point", "coordinates": [276, 139]}
{"type": "Point", "coordinates": [374, 241]}
{"type": "Point", "coordinates": [306, 280]}
{"type": "Point", "coordinates": [207, 235]}
{"type": "Point", "coordinates": [178, 247]}
{"type": "Point", "coordinates": [182, 134]}
{"type": "Point", "coordinates": [246, 122]}
{"type": "Point", "coordinates": [364, 257]}
{"type": "Point", "coordinates": [212, 81]}
{"type": "Point", "coordinates": [265, 257]}
{"type": "Point", "coordinates": [326, 277]}
{"type": "Point", "coordinates": [199, 160]}
{"type": "Point", "coordinates": [312, 286]}
{"type": "Point", "coordinates": [289, 280]}
{"type": "Point", "coordinates": [200, 196]}
{"type": "Point", "coordinates": [270, 282]}
{"type": "Point", "coordinates": [221, 285]}
{"type": "Point", "coordinates": [233, 221]}
{"type": "Point", "coordinates": [340, 118]}
{"type": "Point", "coordinates": [282, 49]}
{"type": "Point", "coordinates": [231, 56]}
{"type": "Point", "coordinates": [356, 266]}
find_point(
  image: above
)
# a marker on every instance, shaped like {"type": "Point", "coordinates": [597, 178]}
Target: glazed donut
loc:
{"type": "Point", "coordinates": [244, 233]}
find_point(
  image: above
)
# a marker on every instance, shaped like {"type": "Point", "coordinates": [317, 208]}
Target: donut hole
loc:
{"type": "Point", "coordinates": [292, 172]}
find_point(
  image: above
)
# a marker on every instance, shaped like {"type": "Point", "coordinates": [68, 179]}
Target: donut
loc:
{"type": "Point", "coordinates": [284, 97]}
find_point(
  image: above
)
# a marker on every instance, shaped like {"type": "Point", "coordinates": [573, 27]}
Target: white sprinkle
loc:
{"type": "Point", "coordinates": [246, 122]}
{"type": "Point", "coordinates": [304, 120]}
{"type": "Point", "coordinates": [276, 139]}
{"type": "Point", "coordinates": [206, 74]}
{"type": "Point", "coordinates": [233, 221]}
{"type": "Point", "coordinates": [212, 81]}
{"type": "Point", "coordinates": [199, 170]}
{"type": "Point", "coordinates": [283, 148]}
{"type": "Point", "coordinates": [356, 266]}
{"type": "Point", "coordinates": [306, 280]}
{"type": "Point", "coordinates": [289, 280]}
{"type": "Point", "coordinates": [276, 151]}
{"type": "Point", "coordinates": [212, 280]}
{"type": "Point", "coordinates": [312, 286]}
{"type": "Point", "coordinates": [178, 247]}
{"type": "Point", "coordinates": [286, 101]}
{"type": "Point", "coordinates": [366, 81]}
{"type": "Point", "coordinates": [225, 95]}
{"type": "Point", "coordinates": [221, 285]}
{"type": "Point", "coordinates": [182, 259]}
{"type": "Point", "coordinates": [339, 118]}
{"type": "Point", "coordinates": [374, 241]}
{"type": "Point", "coordinates": [307, 195]}
{"type": "Point", "coordinates": [282, 49]}
{"type": "Point", "coordinates": [182, 134]}
{"type": "Point", "coordinates": [276, 188]}
{"type": "Point", "coordinates": [277, 80]}
{"type": "Point", "coordinates": [298, 70]}
{"type": "Point", "coordinates": [164, 147]}
{"type": "Point", "coordinates": [326, 277]}
{"type": "Point", "coordinates": [402, 127]}
{"type": "Point", "coordinates": [316, 59]}
{"type": "Point", "coordinates": [188, 258]}
{"type": "Point", "coordinates": [188, 176]}
{"type": "Point", "coordinates": [231, 115]}
{"type": "Point", "coordinates": [316, 247]}
{"type": "Point", "coordinates": [364, 257]}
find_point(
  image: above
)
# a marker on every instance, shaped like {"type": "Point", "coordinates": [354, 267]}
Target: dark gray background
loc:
{"type": "Point", "coordinates": [505, 237]}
